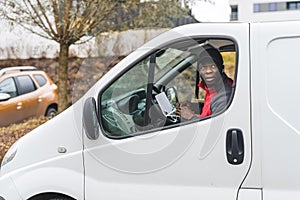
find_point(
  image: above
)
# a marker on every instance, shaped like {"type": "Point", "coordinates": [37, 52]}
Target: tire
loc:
{"type": "Point", "coordinates": [51, 112]}
{"type": "Point", "coordinates": [51, 196]}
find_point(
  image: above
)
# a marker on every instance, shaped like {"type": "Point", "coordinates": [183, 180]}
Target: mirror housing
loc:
{"type": "Point", "coordinates": [90, 119]}
{"type": "Point", "coordinates": [4, 97]}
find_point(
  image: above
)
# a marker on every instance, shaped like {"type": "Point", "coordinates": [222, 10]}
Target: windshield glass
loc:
{"type": "Point", "coordinates": [138, 74]}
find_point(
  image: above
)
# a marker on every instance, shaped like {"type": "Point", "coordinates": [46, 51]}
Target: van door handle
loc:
{"type": "Point", "coordinates": [235, 146]}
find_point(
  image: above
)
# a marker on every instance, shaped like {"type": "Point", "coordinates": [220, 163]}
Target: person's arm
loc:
{"type": "Point", "coordinates": [220, 101]}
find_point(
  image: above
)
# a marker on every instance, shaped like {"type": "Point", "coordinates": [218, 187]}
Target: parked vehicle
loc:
{"type": "Point", "coordinates": [25, 92]}
{"type": "Point", "coordinates": [116, 143]}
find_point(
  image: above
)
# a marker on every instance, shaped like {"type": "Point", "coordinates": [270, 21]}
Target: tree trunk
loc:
{"type": "Point", "coordinates": [63, 100]}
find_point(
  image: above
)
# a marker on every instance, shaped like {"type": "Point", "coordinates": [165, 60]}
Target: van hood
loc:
{"type": "Point", "coordinates": [58, 137]}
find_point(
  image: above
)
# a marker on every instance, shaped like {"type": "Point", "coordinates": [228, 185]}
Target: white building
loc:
{"type": "Point", "coordinates": [264, 10]}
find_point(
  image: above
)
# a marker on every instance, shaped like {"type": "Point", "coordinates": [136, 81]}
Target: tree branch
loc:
{"type": "Point", "coordinates": [46, 18]}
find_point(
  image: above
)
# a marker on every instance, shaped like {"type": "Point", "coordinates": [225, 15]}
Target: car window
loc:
{"type": "Point", "coordinates": [153, 93]}
{"type": "Point", "coordinates": [8, 86]}
{"type": "Point", "coordinates": [25, 84]}
{"type": "Point", "coordinates": [40, 79]}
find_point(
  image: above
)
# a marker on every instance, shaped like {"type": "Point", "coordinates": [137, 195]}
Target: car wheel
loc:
{"type": "Point", "coordinates": [51, 112]}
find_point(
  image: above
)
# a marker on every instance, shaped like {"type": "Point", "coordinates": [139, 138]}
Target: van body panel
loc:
{"type": "Point", "coordinates": [187, 157]}
{"type": "Point", "coordinates": [275, 82]}
{"type": "Point", "coordinates": [39, 159]}
{"type": "Point", "coordinates": [250, 194]}
{"type": "Point", "coordinates": [52, 176]}
{"type": "Point", "coordinates": [8, 188]}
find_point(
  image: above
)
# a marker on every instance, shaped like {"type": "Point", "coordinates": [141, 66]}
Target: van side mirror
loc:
{"type": "Point", "coordinates": [4, 97]}
{"type": "Point", "coordinates": [90, 119]}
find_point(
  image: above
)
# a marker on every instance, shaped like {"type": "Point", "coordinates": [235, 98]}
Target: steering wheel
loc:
{"type": "Point", "coordinates": [157, 117]}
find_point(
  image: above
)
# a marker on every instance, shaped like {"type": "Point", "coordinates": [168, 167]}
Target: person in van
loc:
{"type": "Point", "coordinates": [216, 84]}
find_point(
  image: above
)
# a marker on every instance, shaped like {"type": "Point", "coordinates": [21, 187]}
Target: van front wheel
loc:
{"type": "Point", "coordinates": [51, 196]}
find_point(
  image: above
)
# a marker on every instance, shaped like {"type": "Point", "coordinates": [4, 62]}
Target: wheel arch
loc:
{"type": "Point", "coordinates": [51, 195]}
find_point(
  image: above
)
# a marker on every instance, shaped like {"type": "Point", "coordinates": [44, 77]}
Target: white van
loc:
{"type": "Point", "coordinates": [117, 143]}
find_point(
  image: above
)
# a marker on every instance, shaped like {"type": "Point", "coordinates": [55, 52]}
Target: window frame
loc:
{"type": "Point", "coordinates": [148, 54]}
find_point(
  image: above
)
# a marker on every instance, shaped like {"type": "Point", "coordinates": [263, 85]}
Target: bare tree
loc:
{"type": "Point", "coordinates": [67, 21]}
{"type": "Point", "coordinates": [64, 21]}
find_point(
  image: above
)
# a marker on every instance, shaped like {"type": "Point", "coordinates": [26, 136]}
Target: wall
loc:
{"type": "Point", "coordinates": [19, 44]}
{"type": "Point", "coordinates": [246, 14]}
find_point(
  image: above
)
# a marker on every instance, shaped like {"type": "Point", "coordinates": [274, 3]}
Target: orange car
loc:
{"type": "Point", "coordinates": [26, 92]}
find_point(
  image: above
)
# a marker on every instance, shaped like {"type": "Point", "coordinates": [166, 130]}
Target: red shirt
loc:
{"type": "Point", "coordinates": [210, 94]}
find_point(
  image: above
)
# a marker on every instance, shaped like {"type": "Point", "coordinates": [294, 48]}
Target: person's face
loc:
{"type": "Point", "coordinates": [210, 73]}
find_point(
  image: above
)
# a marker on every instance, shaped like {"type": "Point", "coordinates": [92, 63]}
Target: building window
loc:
{"type": "Point", "coordinates": [234, 13]}
{"type": "Point", "coordinates": [291, 6]}
{"type": "Point", "coordinates": [294, 5]}
{"type": "Point", "coordinates": [281, 6]}
{"type": "Point", "coordinates": [276, 6]}
{"type": "Point", "coordinates": [264, 7]}
{"type": "Point", "coordinates": [256, 7]}
{"type": "Point", "coordinates": [272, 6]}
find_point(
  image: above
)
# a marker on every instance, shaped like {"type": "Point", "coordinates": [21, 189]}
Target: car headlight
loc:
{"type": "Point", "coordinates": [11, 153]}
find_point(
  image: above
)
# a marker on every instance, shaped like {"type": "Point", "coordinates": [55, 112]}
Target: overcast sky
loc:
{"type": "Point", "coordinates": [211, 10]}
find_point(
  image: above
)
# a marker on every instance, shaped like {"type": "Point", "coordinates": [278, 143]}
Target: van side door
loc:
{"type": "Point", "coordinates": [276, 128]}
{"type": "Point", "coordinates": [135, 151]}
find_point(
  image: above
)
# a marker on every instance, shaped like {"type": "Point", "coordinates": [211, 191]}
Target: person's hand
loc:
{"type": "Point", "coordinates": [183, 109]}
{"type": "Point", "coordinates": [187, 113]}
